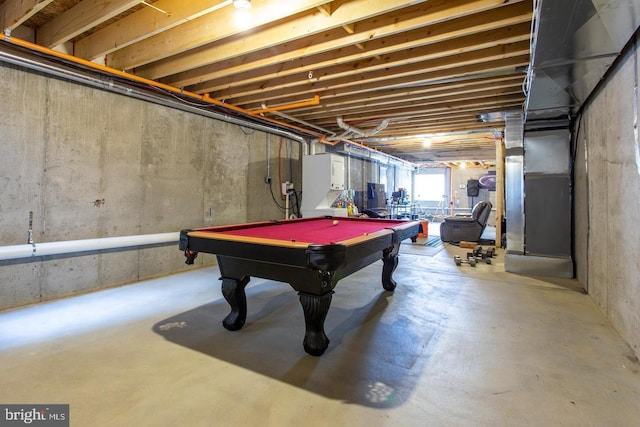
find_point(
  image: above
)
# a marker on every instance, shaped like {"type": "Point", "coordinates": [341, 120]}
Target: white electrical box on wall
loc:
{"type": "Point", "coordinates": [323, 177]}
{"type": "Point", "coordinates": [286, 187]}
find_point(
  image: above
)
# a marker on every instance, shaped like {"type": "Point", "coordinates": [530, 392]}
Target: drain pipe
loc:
{"type": "Point", "coordinates": [364, 134]}
{"type": "Point", "coordinates": [383, 124]}
{"type": "Point", "coordinates": [348, 128]}
{"type": "Point", "coordinates": [32, 250]}
{"type": "Point", "coordinates": [302, 122]}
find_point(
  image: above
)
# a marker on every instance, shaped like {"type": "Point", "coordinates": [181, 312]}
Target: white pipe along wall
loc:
{"type": "Point", "coordinates": [70, 246]}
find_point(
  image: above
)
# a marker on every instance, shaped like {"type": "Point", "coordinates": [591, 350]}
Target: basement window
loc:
{"type": "Point", "coordinates": [430, 187]}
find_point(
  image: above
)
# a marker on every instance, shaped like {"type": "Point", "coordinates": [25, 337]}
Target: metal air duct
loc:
{"type": "Point", "coordinates": [574, 42]}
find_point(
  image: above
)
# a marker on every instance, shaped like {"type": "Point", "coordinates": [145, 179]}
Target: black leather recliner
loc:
{"type": "Point", "coordinates": [455, 229]}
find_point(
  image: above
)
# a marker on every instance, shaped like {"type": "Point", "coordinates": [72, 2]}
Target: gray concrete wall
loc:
{"type": "Point", "coordinates": [607, 200]}
{"type": "Point", "coordinates": [279, 158]}
{"type": "Point", "coordinates": [361, 172]}
{"type": "Point", "coordinates": [92, 164]}
{"type": "Point", "coordinates": [460, 177]}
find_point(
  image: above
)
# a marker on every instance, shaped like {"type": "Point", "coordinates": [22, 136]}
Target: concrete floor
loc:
{"type": "Point", "coordinates": [452, 346]}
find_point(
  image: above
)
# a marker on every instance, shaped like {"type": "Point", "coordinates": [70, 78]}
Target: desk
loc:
{"type": "Point", "coordinates": [398, 211]}
{"type": "Point", "coordinates": [311, 254]}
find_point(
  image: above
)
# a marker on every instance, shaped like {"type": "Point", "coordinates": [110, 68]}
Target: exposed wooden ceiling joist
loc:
{"type": "Point", "coordinates": [15, 12]}
{"type": "Point", "coordinates": [226, 61]}
{"type": "Point", "coordinates": [203, 30]}
{"type": "Point", "coordinates": [424, 67]}
{"type": "Point", "coordinates": [79, 19]}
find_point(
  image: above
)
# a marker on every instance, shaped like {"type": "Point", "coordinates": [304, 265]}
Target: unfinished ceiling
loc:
{"type": "Point", "coordinates": [424, 81]}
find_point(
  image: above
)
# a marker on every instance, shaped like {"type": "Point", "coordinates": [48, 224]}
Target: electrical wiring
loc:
{"type": "Point", "coordinates": [273, 196]}
{"type": "Point", "coordinates": [295, 207]}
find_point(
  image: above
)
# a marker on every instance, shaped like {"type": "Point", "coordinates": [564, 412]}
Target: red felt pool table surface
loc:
{"type": "Point", "coordinates": [320, 230]}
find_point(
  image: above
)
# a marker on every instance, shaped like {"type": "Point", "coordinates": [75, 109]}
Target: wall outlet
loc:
{"type": "Point", "coordinates": [286, 187]}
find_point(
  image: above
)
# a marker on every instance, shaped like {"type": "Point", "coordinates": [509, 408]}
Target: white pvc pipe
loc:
{"type": "Point", "coordinates": [70, 246]}
{"type": "Point", "coordinates": [361, 133]}
{"type": "Point", "coordinates": [17, 251]}
{"type": "Point", "coordinates": [348, 128]}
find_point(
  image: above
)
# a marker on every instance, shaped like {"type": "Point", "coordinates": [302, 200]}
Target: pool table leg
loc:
{"type": "Point", "coordinates": [233, 292]}
{"type": "Point", "coordinates": [315, 309]}
{"type": "Point", "coordinates": [389, 264]}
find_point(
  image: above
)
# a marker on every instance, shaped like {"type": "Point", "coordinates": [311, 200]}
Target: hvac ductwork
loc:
{"type": "Point", "coordinates": [574, 44]}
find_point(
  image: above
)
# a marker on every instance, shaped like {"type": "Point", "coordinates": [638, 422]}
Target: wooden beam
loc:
{"type": "Point", "coordinates": [354, 62]}
{"type": "Point", "coordinates": [228, 62]}
{"type": "Point", "coordinates": [143, 24]}
{"type": "Point", "coordinates": [14, 12]}
{"type": "Point", "coordinates": [425, 78]}
{"type": "Point", "coordinates": [332, 67]}
{"type": "Point", "coordinates": [268, 39]}
{"type": "Point", "coordinates": [206, 29]}
{"type": "Point", "coordinates": [444, 107]}
{"type": "Point", "coordinates": [434, 92]}
{"type": "Point", "coordinates": [383, 106]}
{"type": "Point", "coordinates": [325, 9]}
{"type": "Point", "coordinates": [80, 18]}
{"type": "Point", "coordinates": [375, 77]}
{"type": "Point", "coordinates": [349, 28]}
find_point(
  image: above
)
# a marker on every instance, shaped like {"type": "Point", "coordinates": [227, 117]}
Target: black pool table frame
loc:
{"type": "Point", "coordinates": [312, 270]}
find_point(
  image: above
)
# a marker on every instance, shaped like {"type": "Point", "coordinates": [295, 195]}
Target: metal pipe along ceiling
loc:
{"type": "Point", "coordinates": [171, 98]}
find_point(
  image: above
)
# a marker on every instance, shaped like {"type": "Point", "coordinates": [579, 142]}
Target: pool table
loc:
{"type": "Point", "coordinates": [311, 254]}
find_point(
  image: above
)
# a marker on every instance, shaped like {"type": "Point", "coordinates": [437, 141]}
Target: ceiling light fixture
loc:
{"type": "Point", "coordinates": [242, 4]}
